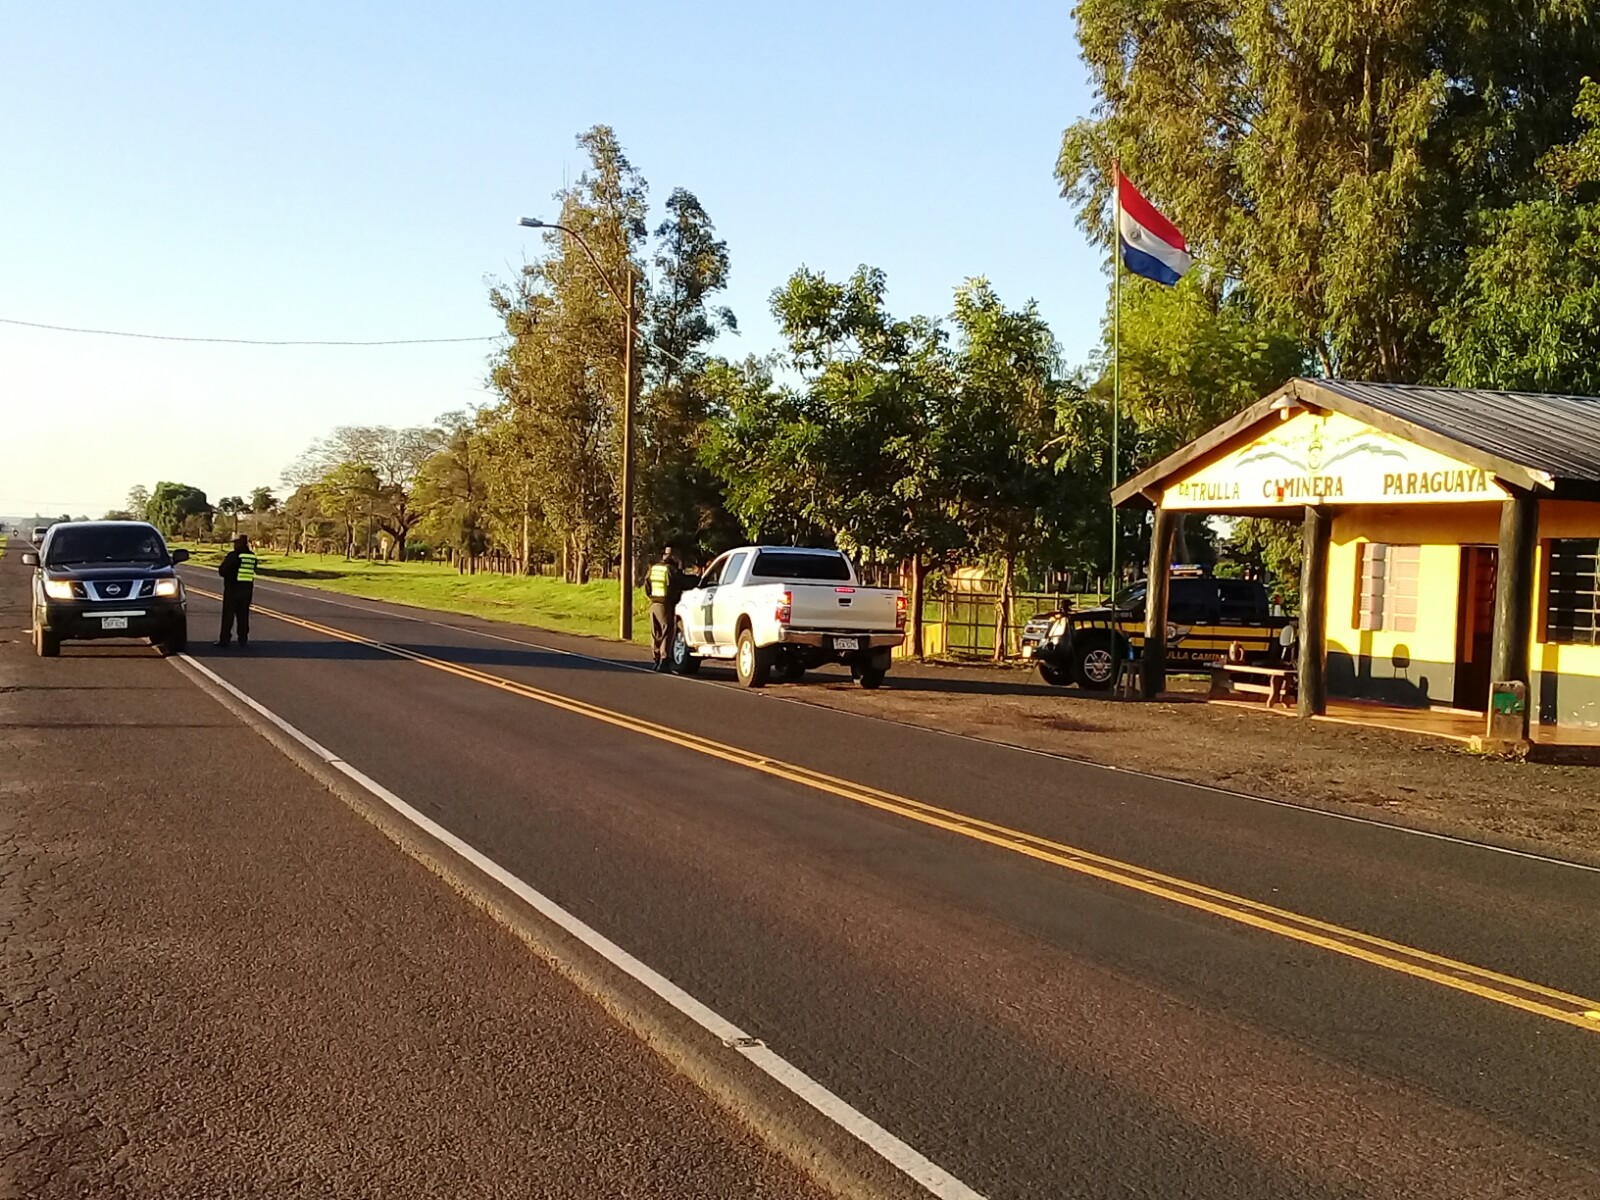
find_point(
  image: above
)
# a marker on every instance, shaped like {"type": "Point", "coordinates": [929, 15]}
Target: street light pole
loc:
{"type": "Point", "coordinates": [625, 565]}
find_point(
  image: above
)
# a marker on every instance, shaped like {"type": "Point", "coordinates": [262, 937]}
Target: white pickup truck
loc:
{"type": "Point", "coordinates": [787, 609]}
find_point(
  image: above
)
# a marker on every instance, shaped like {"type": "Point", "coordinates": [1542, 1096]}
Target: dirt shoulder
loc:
{"type": "Point", "coordinates": [218, 980]}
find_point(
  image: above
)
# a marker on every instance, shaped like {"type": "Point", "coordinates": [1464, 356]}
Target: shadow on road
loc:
{"type": "Point", "coordinates": [338, 651]}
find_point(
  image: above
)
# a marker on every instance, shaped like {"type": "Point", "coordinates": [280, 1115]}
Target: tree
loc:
{"type": "Point", "coordinates": [137, 502]}
{"type": "Point", "coordinates": [172, 505]}
{"type": "Point", "coordinates": [1191, 358]}
{"type": "Point", "coordinates": [562, 372]}
{"type": "Point", "coordinates": [1015, 452]}
{"type": "Point", "coordinates": [679, 499]}
{"type": "Point", "coordinates": [348, 493]}
{"type": "Point", "coordinates": [262, 500]}
{"type": "Point", "coordinates": [232, 506]}
{"type": "Point", "coordinates": [393, 456]}
{"type": "Point", "coordinates": [850, 455]}
{"type": "Point", "coordinates": [1329, 154]}
{"type": "Point", "coordinates": [304, 509]}
{"type": "Point", "coordinates": [758, 447]}
{"type": "Point", "coordinates": [1275, 548]}
{"type": "Point", "coordinates": [451, 489]}
{"type": "Point", "coordinates": [1527, 314]}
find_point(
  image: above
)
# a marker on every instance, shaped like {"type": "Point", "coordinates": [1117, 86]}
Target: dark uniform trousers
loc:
{"type": "Point", "coordinates": [660, 630]}
{"type": "Point", "coordinates": [236, 599]}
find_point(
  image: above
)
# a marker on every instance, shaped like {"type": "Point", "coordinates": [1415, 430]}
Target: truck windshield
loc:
{"type": "Point", "coordinates": [107, 544]}
{"type": "Point", "coordinates": [801, 564]}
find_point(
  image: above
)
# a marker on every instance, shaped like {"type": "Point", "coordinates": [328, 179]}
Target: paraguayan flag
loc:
{"type": "Point", "coordinates": [1151, 244]}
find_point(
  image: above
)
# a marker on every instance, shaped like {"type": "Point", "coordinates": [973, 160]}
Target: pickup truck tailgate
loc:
{"type": "Point", "coordinates": [843, 609]}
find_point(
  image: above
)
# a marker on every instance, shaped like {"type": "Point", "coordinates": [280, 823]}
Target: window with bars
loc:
{"type": "Point", "coordinates": [1572, 596]}
{"type": "Point", "coordinates": [1387, 598]}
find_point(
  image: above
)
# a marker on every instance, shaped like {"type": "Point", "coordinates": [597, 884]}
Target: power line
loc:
{"type": "Point", "coordinates": [165, 337]}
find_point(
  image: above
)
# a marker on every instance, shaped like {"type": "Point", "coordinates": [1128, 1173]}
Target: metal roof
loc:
{"type": "Point", "coordinates": [1527, 439]}
{"type": "Point", "coordinates": [1558, 436]}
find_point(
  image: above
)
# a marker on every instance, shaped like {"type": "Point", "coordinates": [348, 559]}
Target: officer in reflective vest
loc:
{"type": "Point", "coordinates": [663, 586]}
{"type": "Point", "coordinates": [238, 571]}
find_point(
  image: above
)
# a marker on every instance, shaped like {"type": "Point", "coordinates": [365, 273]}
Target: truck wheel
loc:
{"type": "Point", "coordinates": [754, 663]}
{"type": "Point", "coordinates": [1095, 663]}
{"type": "Point", "coordinates": [176, 640]}
{"type": "Point", "coordinates": [683, 662]}
{"type": "Point", "coordinates": [872, 677]}
{"type": "Point", "coordinates": [1054, 676]}
{"type": "Point", "coordinates": [45, 644]}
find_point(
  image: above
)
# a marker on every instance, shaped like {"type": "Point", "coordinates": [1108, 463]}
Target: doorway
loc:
{"type": "Point", "coordinates": [1475, 626]}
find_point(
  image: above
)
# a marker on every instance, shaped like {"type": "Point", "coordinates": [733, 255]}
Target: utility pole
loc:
{"type": "Point", "coordinates": [625, 560]}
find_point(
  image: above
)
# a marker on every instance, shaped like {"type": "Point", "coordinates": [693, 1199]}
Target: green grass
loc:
{"type": "Point", "coordinates": [589, 608]}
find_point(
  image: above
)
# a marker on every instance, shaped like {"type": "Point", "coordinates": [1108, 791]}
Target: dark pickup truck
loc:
{"type": "Point", "coordinates": [1207, 618]}
{"type": "Point", "coordinates": [107, 579]}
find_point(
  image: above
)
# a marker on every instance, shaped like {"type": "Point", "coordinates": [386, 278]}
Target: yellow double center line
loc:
{"type": "Point", "coordinates": [1420, 964]}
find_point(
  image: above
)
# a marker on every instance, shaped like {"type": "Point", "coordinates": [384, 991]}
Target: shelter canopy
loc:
{"type": "Point", "coordinates": [1338, 442]}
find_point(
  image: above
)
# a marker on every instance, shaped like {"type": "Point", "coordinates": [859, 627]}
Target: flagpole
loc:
{"type": "Point", "coordinates": [1116, 354]}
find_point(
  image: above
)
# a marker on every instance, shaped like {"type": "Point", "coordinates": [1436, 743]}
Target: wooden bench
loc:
{"type": "Point", "coordinates": [1277, 684]}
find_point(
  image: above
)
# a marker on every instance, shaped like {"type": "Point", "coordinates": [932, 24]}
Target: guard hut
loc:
{"type": "Point", "coordinates": [1452, 544]}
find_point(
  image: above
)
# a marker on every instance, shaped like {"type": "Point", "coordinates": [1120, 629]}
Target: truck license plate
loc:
{"type": "Point", "coordinates": [847, 643]}
{"type": "Point", "coordinates": [113, 622]}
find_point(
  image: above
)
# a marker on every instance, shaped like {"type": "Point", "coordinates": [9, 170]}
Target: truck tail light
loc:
{"type": "Point", "coordinates": [785, 611]}
{"type": "Point", "coordinates": [899, 612]}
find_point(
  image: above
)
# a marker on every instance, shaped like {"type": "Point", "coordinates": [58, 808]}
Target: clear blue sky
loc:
{"type": "Point", "coordinates": [355, 171]}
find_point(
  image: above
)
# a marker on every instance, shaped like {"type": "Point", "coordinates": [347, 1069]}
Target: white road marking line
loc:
{"type": "Point", "coordinates": [1130, 772]}
{"type": "Point", "coordinates": [863, 1128]}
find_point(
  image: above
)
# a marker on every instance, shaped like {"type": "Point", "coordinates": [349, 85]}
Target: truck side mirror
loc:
{"type": "Point", "coordinates": [179, 556]}
{"type": "Point", "coordinates": [30, 559]}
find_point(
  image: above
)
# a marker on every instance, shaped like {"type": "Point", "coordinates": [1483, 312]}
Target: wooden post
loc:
{"type": "Point", "coordinates": [1313, 666]}
{"type": "Point", "coordinates": [1513, 596]}
{"type": "Point", "coordinates": [1157, 586]}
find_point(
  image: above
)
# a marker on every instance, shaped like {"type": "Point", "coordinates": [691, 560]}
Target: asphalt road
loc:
{"type": "Point", "coordinates": [218, 980]}
{"type": "Point", "coordinates": [999, 981]}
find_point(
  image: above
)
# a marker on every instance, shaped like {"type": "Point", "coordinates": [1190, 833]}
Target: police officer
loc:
{"type": "Point", "coordinates": [663, 586]}
{"type": "Point", "coordinates": [238, 571]}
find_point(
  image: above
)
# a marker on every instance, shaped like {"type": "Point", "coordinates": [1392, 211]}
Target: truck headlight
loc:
{"type": "Point", "coordinates": [58, 589]}
{"type": "Point", "coordinates": [166, 587]}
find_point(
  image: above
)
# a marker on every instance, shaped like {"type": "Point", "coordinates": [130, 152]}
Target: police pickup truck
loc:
{"type": "Point", "coordinates": [1209, 620]}
{"type": "Point", "coordinates": [787, 609]}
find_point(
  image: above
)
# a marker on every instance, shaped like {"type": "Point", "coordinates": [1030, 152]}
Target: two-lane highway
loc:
{"type": "Point", "coordinates": [1050, 979]}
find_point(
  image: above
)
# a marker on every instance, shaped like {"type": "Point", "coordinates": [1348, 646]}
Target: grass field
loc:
{"type": "Point", "coordinates": [531, 600]}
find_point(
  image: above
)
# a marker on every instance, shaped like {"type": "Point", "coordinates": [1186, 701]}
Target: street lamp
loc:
{"type": "Point", "coordinates": [625, 570]}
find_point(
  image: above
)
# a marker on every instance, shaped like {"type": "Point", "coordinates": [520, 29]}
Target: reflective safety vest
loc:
{"type": "Point", "coordinates": [247, 566]}
{"type": "Point", "coordinates": [660, 581]}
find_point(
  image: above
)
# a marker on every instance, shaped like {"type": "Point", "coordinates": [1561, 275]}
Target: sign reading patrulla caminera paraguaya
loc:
{"type": "Point", "coordinates": [1328, 458]}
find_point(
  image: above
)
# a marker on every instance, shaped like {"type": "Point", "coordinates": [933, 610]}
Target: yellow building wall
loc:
{"type": "Point", "coordinates": [1419, 667]}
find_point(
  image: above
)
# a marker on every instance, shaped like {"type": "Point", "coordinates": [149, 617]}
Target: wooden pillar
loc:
{"type": "Point", "coordinates": [1158, 580]}
{"type": "Point", "coordinates": [1313, 665]}
{"type": "Point", "coordinates": [1513, 595]}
